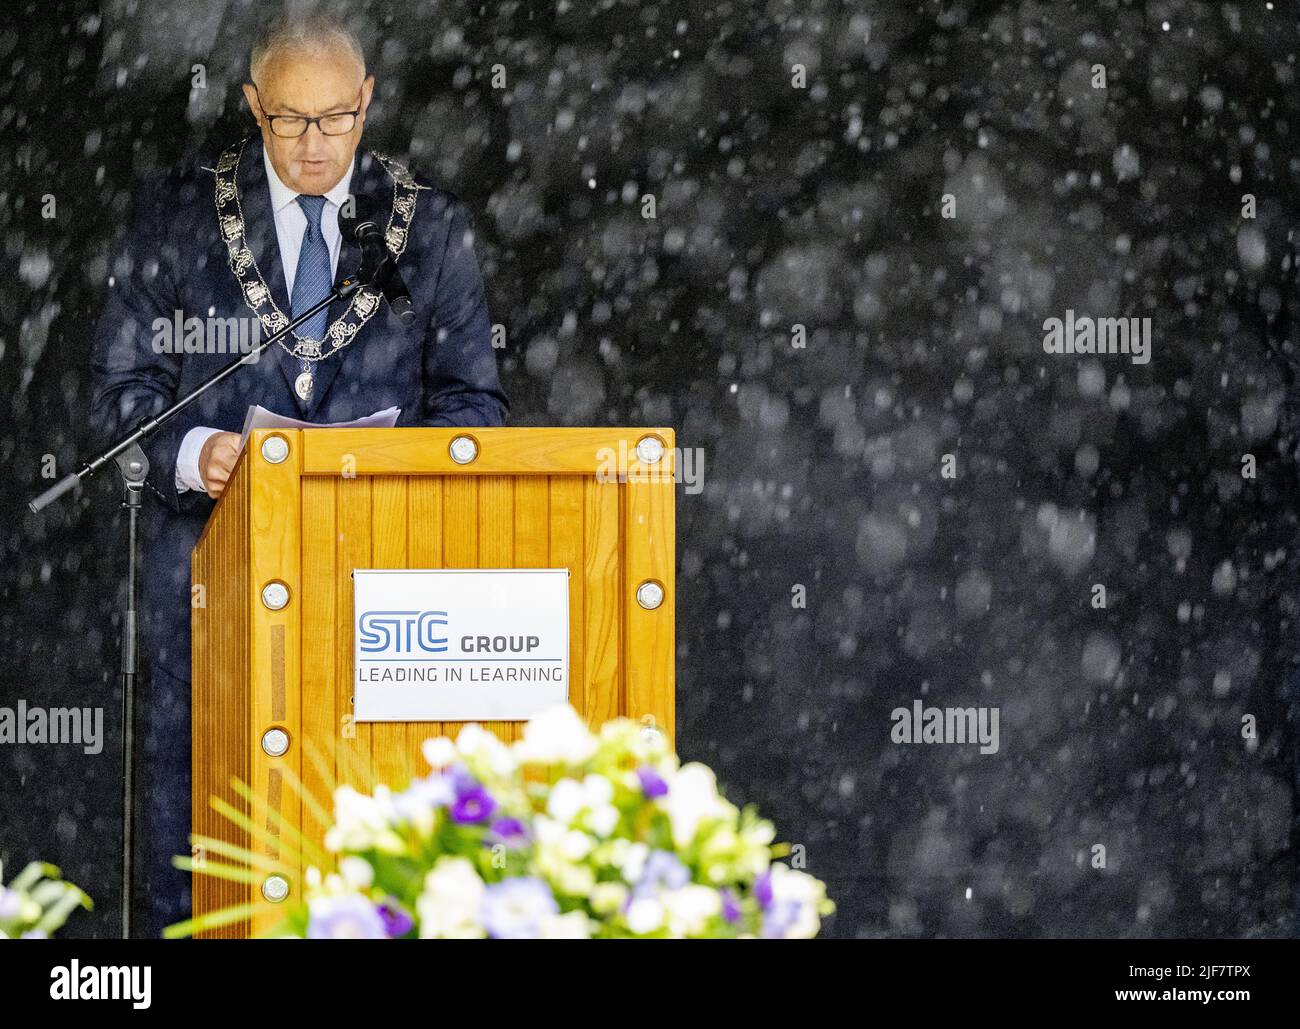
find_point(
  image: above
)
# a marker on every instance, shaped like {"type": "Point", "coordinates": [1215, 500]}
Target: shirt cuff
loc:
{"type": "Point", "coordinates": [188, 476]}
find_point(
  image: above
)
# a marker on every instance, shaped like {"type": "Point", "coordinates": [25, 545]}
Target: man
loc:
{"type": "Point", "coordinates": [253, 234]}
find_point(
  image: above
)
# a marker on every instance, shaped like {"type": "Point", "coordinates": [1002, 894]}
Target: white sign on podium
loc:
{"type": "Point", "coordinates": [459, 644]}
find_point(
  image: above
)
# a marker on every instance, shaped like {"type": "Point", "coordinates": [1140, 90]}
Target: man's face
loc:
{"type": "Point", "coordinates": [310, 86]}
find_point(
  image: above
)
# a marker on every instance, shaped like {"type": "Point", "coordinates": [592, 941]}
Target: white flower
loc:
{"type": "Point", "coordinates": [692, 799]}
{"type": "Point", "coordinates": [515, 908]}
{"type": "Point", "coordinates": [632, 861]}
{"type": "Point", "coordinates": [606, 898]}
{"type": "Point", "coordinates": [726, 854]}
{"type": "Point", "coordinates": [690, 907]}
{"type": "Point", "coordinates": [645, 915]}
{"type": "Point", "coordinates": [484, 752]}
{"type": "Point", "coordinates": [798, 892]}
{"type": "Point", "coordinates": [570, 844]}
{"type": "Point", "coordinates": [362, 822]}
{"type": "Point", "coordinates": [573, 926]}
{"type": "Point", "coordinates": [566, 801]}
{"type": "Point", "coordinates": [357, 872]}
{"type": "Point", "coordinates": [556, 736]}
{"type": "Point", "coordinates": [560, 852]}
{"type": "Point", "coordinates": [332, 886]}
{"type": "Point", "coordinates": [418, 804]}
{"type": "Point", "coordinates": [439, 751]}
{"type": "Point", "coordinates": [449, 905]}
{"type": "Point", "coordinates": [354, 808]}
{"type": "Point", "coordinates": [647, 744]}
{"type": "Point", "coordinates": [588, 800]}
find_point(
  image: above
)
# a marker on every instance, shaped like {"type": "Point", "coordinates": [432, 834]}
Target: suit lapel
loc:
{"type": "Point", "coordinates": [368, 178]}
{"type": "Point", "coordinates": [259, 230]}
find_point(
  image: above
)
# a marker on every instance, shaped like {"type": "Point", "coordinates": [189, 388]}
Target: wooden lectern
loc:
{"type": "Point", "coordinates": [306, 507]}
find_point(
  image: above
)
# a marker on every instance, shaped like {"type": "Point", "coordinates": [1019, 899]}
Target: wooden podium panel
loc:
{"type": "Point", "coordinates": [394, 498]}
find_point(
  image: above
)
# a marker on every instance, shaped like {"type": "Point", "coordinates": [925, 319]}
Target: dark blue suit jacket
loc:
{"type": "Point", "coordinates": [440, 370]}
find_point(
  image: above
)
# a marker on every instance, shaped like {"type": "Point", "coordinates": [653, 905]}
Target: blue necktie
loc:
{"type": "Point", "coordinates": [313, 280]}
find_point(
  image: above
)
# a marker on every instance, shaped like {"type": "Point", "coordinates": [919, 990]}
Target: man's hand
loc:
{"type": "Point", "coordinates": [217, 461]}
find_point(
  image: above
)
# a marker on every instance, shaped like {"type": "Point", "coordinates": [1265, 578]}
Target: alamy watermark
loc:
{"type": "Point", "coordinates": [1086, 335]}
{"type": "Point", "coordinates": [83, 726]}
{"type": "Point", "coordinates": [75, 981]}
{"type": "Point", "coordinates": [921, 724]}
{"type": "Point", "coordinates": [624, 464]}
{"type": "Point", "coordinates": [211, 335]}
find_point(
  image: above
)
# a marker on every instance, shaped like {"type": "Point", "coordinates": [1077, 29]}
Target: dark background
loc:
{"type": "Point", "coordinates": [815, 206]}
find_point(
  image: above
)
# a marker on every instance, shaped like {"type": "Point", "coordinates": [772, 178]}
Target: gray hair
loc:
{"type": "Point", "coordinates": [316, 34]}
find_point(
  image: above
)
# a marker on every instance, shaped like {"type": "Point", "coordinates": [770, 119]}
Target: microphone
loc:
{"type": "Point", "coordinates": [363, 228]}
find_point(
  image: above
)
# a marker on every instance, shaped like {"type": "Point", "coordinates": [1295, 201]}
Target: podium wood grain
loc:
{"type": "Point", "coordinates": [393, 498]}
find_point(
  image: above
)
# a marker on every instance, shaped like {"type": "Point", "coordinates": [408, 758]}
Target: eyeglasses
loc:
{"type": "Point", "coordinates": [290, 126]}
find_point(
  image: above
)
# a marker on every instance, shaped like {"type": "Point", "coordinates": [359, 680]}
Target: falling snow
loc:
{"type": "Point", "coordinates": [777, 206]}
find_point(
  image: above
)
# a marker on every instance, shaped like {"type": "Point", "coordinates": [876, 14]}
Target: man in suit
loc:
{"type": "Point", "coordinates": [253, 234]}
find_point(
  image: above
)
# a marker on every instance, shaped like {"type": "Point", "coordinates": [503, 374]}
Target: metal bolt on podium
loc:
{"type": "Point", "coordinates": [275, 449]}
{"type": "Point", "coordinates": [275, 742]}
{"type": "Point", "coordinates": [463, 449]}
{"type": "Point", "coordinates": [275, 595]}
{"type": "Point", "coordinates": [650, 450]}
{"type": "Point", "coordinates": [275, 888]}
{"type": "Point", "coordinates": [649, 594]}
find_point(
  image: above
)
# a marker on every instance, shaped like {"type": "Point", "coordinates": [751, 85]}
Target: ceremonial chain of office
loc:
{"type": "Point", "coordinates": [257, 295]}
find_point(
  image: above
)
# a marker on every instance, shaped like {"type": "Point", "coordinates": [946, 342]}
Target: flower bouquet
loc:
{"type": "Point", "coordinates": [563, 834]}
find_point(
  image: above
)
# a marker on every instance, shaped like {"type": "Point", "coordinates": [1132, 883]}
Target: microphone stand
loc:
{"type": "Point", "coordinates": [131, 461]}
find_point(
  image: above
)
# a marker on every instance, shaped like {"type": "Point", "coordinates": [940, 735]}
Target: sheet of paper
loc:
{"type": "Point", "coordinates": [259, 417]}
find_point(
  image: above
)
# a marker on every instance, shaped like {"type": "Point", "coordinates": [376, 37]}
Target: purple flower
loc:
{"type": "Point", "coordinates": [652, 783]}
{"type": "Point", "coordinates": [763, 889]}
{"type": "Point", "coordinates": [779, 918]}
{"type": "Point", "coordinates": [730, 906]}
{"type": "Point", "coordinates": [461, 779]}
{"type": "Point", "coordinates": [514, 909]}
{"type": "Point", "coordinates": [473, 802]}
{"type": "Point", "coordinates": [509, 831]}
{"type": "Point", "coordinates": [474, 805]}
{"type": "Point", "coordinates": [662, 871]}
{"type": "Point", "coordinates": [396, 921]}
{"type": "Point", "coordinates": [432, 791]}
{"type": "Point", "coordinates": [350, 917]}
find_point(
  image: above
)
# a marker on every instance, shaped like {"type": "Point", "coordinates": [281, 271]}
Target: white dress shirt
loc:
{"type": "Point", "coordinates": [290, 226]}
